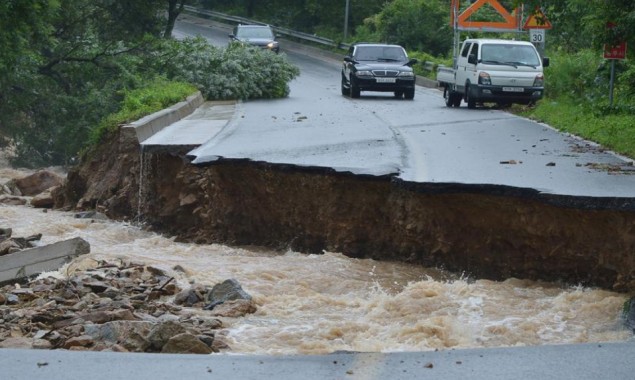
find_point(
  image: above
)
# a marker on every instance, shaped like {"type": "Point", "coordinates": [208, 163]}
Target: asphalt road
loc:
{"type": "Point", "coordinates": [420, 140]}
{"type": "Point", "coordinates": [575, 362]}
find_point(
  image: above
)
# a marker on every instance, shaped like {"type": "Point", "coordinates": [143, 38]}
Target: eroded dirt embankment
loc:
{"type": "Point", "coordinates": [485, 232]}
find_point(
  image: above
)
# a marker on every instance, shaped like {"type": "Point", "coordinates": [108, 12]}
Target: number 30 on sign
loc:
{"type": "Point", "coordinates": [537, 36]}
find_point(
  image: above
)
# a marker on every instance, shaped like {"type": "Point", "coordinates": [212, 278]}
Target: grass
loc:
{"type": "Point", "coordinates": [615, 131]}
{"type": "Point", "coordinates": [141, 102]}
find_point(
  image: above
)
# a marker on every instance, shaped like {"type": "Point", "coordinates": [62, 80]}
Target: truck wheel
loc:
{"type": "Point", "coordinates": [471, 102]}
{"type": "Point", "coordinates": [457, 100]}
{"type": "Point", "coordinates": [448, 95]}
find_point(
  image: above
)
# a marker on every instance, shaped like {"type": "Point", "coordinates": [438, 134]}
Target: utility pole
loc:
{"type": "Point", "coordinates": [348, 4]}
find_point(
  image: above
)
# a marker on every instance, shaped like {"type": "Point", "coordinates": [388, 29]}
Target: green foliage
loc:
{"type": "Point", "coordinates": [421, 25]}
{"type": "Point", "coordinates": [423, 59]}
{"type": "Point", "coordinates": [236, 72]}
{"type": "Point", "coordinates": [140, 102]}
{"type": "Point", "coordinates": [573, 75]}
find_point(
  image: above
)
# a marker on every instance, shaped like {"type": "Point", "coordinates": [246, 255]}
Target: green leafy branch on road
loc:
{"type": "Point", "coordinates": [235, 72]}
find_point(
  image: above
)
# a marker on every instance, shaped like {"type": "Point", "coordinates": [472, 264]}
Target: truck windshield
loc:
{"type": "Point", "coordinates": [510, 54]}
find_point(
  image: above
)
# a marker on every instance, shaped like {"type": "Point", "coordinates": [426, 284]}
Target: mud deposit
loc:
{"type": "Point", "coordinates": [483, 232]}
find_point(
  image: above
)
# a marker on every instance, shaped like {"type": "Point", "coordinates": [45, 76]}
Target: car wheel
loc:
{"type": "Point", "coordinates": [409, 94]}
{"type": "Point", "coordinates": [471, 103]}
{"type": "Point", "coordinates": [345, 90]}
{"type": "Point", "coordinates": [398, 94]}
{"type": "Point", "coordinates": [354, 90]}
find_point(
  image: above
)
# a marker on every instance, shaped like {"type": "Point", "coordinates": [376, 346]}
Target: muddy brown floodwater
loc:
{"type": "Point", "coordinates": [320, 303]}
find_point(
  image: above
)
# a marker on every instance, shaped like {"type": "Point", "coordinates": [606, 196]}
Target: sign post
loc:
{"type": "Point", "coordinates": [537, 23]}
{"type": "Point", "coordinates": [613, 52]}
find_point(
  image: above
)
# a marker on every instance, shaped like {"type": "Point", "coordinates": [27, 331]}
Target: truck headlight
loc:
{"type": "Point", "coordinates": [483, 78]}
{"type": "Point", "coordinates": [539, 81]}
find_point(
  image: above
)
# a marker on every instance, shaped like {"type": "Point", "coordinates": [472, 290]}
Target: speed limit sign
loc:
{"type": "Point", "coordinates": [537, 36]}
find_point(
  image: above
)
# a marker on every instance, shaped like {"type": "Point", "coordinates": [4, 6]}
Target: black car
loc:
{"type": "Point", "coordinates": [378, 67]}
{"type": "Point", "coordinates": [256, 35]}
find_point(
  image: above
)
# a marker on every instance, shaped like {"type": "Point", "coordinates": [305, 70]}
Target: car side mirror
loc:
{"type": "Point", "coordinates": [232, 36]}
{"type": "Point", "coordinates": [472, 59]}
{"type": "Point", "coordinates": [348, 59]}
{"type": "Point", "coordinates": [545, 62]}
{"type": "Point", "coordinates": [412, 61]}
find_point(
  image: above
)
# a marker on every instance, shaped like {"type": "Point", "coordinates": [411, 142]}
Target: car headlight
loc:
{"type": "Point", "coordinates": [408, 74]}
{"type": "Point", "coordinates": [539, 81]}
{"type": "Point", "coordinates": [272, 45]}
{"type": "Point", "coordinates": [483, 78]}
{"type": "Point", "coordinates": [364, 73]}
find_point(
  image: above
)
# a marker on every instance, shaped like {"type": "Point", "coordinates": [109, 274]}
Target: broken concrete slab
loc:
{"type": "Point", "coordinates": [29, 262]}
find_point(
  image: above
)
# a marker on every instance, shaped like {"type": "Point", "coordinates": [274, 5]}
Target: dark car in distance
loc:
{"type": "Point", "coordinates": [378, 67]}
{"type": "Point", "coordinates": [257, 35]}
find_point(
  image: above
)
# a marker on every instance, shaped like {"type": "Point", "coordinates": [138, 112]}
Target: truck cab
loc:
{"type": "Point", "coordinates": [493, 70]}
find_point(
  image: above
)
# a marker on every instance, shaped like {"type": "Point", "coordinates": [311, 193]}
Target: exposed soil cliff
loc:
{"type": "Point", "coordinates": [490, 232]}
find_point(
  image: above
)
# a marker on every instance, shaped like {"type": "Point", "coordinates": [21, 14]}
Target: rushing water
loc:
{"type": "Point", "coordinates": [324, 303]}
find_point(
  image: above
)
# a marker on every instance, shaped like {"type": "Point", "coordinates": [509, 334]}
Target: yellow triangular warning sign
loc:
{"type": "Point", "coordinates": [537, 20]}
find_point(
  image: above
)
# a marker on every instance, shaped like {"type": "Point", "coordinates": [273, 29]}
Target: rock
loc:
{"type": "Point", "coordinates": [17, 342]}
{"type": "Point", "coordinates": [13, 201]}
{"type": "Point", "coordinates": [234, 308]}
{"type": "Point", "coordinates": [130, 335]}
{"type": "Point", "coordinates": [190, 296]}
{"type": "Point", "coordinates": [5, 233]}
{"type": "Point", "coordinates": [163, 332]}
{"type": "Point", "coordinates": [43, 200]}
{"type": "Point", "coordinates": [186, 344]}
{"type": "Point", "coordinates": [38, 182]}
{"type": "Point", "coordinates": [228, 290]}
{"type": "Point", "coordinates": [79, 341]}
{"type": "Point", "coordinates": [9, 246]}
{"type": "Point", "coordinates": [91, 215]}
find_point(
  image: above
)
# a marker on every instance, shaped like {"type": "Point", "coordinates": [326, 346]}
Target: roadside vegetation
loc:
{"type": "Point", "coordinates": [70, 69]}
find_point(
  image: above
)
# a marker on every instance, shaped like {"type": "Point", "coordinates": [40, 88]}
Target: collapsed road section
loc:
{"type": "Point", "coordinates": [484, 231]}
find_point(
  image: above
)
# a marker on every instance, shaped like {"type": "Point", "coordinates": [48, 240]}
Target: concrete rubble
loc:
{"type": "Point", "coordinates": [122, 307]}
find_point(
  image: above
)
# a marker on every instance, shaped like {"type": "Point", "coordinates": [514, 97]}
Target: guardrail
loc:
{"type": "Point", "coordinates": [277, 30]}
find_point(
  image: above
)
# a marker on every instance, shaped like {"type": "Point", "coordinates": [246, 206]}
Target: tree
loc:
{"type": "Point", "coordinates": [175, 7]}
{"type": "Point", "coordinates": [63, 63]}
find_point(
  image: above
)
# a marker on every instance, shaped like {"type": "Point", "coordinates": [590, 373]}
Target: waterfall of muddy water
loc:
{"type": "Point", "coordinates": [315, 304]}
{"type": "Point", "coordinates": [144, 161]}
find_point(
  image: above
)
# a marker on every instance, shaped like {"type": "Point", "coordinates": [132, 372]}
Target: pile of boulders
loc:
{"type": "Point", "coordinates": [34, 189]}
{"type": "Point", "coordinates": [123, 307]}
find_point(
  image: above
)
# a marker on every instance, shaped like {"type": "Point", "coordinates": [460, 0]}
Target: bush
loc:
{"type": "Point", "coordinates": [235, 72]}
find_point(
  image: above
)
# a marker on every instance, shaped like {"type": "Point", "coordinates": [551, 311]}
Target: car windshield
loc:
{"type": "Point", "coordinates": [254, 33]}
{"type": "Point", "coordinates": [380, 53]}
{"type": "Point", "coordinates": [509, 54]}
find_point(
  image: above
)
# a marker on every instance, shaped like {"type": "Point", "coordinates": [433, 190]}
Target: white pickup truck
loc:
{"type": "Point", "coordinates": [491, 70]}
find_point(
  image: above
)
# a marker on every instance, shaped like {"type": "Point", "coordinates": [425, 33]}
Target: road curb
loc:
{"type": "Point", "coordinates": [153, 123]}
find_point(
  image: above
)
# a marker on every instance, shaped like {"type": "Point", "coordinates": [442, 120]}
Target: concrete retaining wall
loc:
{"type": "Point", "coordinates": [151, 124]}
